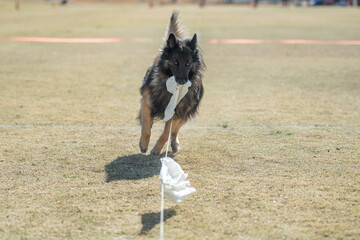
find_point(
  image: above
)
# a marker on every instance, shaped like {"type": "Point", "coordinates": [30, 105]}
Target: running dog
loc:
{"type": "Point", "coordinates": [180, 57]}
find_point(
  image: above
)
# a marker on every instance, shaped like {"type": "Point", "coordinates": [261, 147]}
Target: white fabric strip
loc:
{"type": "Point", "coordinates": [178, 91]}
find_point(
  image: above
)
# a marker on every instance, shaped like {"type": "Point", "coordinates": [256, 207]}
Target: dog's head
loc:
{"type": "Point", "coordinates": [181, 57]}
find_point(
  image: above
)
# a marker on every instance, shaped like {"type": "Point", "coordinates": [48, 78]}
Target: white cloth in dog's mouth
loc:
{"type": "Point", "coordinates": [178, 91]}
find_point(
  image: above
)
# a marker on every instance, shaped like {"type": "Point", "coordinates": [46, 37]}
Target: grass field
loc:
{"type": "Point", "coordinates": [273, 154]}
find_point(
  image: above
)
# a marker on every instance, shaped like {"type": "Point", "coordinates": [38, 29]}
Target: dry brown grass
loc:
{"type": "Point", "coordinates": [273, 154]}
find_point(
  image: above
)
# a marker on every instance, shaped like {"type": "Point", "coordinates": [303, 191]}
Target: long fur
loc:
{"type": "Point", "coordinates": [175, 26]}
{"type": "Point", "coordinates": [155, 78]}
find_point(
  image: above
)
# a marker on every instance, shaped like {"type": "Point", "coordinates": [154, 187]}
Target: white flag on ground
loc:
{"type": "Point", "coordinates": [176, 187]}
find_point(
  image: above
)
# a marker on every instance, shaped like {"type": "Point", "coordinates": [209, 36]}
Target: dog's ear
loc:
{"type": "Point", "coordinates": [193, 42]}
{"type": "Point", "coordinates": [171, 42]}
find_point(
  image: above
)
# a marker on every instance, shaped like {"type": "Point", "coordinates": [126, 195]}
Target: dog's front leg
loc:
{"type": "Point", "coordinates": [162, 139]}
{"type": "Point", "coordinates": [146, 123]}
{"type": "Point", "coordinates": [175, 145]}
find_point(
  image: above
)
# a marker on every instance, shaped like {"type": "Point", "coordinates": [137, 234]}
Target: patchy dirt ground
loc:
{"type": "Point", "coordinates": [274, 152]}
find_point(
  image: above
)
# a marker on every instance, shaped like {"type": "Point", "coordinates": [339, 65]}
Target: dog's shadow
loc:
{"type": "Point", "coordinates": [133, 167]}
{"type": "Point", "coordinates": [149, 220]}
{"type": "Point", "coordinates": [136, 167]}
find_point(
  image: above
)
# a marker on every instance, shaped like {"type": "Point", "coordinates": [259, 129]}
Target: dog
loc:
{"type": "Point", "coordinates": [181, 58]}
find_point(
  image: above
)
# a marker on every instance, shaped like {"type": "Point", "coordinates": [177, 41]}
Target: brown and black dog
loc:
{"type": "Point", "coordinates": [179, 57]}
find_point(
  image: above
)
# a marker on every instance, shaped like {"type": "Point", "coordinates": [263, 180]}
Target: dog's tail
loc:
{"type": "Point", "coordinates": [175, 27]}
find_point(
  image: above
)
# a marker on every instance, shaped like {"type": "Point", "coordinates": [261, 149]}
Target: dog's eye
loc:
{"type": "Point", "coordinates": [176, 62]}
{"type": "Point", "coordinates": [187, 64]}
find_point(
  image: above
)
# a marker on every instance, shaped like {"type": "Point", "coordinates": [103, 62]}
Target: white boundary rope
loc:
{"type": "Point", "coordinates": [162, 190]}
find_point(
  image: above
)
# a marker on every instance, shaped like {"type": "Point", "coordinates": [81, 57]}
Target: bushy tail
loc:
{"type": "Point", "coordinates": [175, 27]}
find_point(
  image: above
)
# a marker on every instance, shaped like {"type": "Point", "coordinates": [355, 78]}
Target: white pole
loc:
{"type": "Point", "coordinates": [162, 190]}
{"type": "Point", "coordinates": [162, 213]}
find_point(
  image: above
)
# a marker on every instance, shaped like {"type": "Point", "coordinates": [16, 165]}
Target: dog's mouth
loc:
{"type": "Point", "coordinates": [181, 81]}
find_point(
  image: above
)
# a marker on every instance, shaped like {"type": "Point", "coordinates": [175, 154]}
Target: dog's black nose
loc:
{"type": "Point", "coordinates": [181, 81]}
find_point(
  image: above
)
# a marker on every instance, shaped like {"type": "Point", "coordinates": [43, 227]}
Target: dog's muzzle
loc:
{"type": "Point", "coordinates": [181, 81]}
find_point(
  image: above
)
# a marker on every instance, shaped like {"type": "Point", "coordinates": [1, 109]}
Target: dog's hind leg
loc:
{"type": "Point", "coordinates": [175, 145]}
{"type": "Point", "coordinates": [146, 122]}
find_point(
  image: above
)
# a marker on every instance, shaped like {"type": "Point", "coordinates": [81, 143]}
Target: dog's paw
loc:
{"type": "Point", "coordinates": [175, 147]}
{"type": "Point", "coordinates": [154, 152]}
{"type": "Point", "coordinates": [143, 149]}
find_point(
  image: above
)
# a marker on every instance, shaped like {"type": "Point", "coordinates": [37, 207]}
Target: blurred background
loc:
{"type": "Point", "coordinates": [253, 3]}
